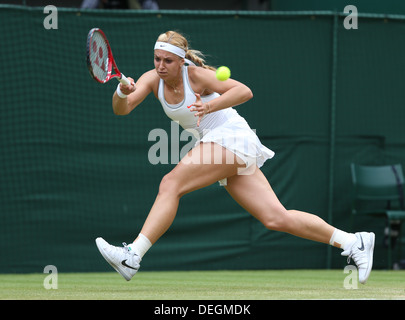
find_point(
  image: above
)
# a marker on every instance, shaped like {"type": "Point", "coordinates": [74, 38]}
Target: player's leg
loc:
{"type": "Point", "coordinates": [202, 166]}
{"type": "Point", "coordinates": [254, 193]}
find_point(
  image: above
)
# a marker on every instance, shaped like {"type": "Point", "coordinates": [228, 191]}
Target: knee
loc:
{"type": "Point", "coordinates": [169, 186]}
{"type": "Point", "coordinates": [279, 220]}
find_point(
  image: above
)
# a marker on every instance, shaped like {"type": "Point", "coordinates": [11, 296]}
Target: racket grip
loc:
{"type": "Point", "coordinates": [124, 80]}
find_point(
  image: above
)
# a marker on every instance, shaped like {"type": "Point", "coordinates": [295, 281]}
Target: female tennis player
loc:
{"type": "Point", "coordinates": [227, 150]}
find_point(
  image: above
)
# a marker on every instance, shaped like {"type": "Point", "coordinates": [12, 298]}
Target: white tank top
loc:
{"type": "Point", "coordinates": [181, 114]}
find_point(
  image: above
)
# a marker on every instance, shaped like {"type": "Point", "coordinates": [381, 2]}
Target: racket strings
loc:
{"type": "Point", "coordinates": [99, 56]}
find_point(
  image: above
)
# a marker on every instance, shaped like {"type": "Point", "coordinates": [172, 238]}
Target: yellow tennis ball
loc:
{"type": "Point", "coordinates": [223, 73]}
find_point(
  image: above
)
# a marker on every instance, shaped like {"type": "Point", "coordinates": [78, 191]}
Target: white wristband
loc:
{"type": "Point", "coordinates": [119, 93]}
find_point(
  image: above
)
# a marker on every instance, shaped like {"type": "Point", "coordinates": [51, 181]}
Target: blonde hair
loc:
{"type": "Point", "coordinates": [178, 40]}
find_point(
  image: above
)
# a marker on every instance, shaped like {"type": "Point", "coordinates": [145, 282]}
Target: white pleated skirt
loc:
{"type": "Point", "coordinates": [237, 136]}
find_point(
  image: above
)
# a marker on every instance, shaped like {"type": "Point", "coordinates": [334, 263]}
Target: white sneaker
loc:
{"type": "Point", "coordinates": [362, 254]}
{"type": "Point", "coordinates": [121, 259]}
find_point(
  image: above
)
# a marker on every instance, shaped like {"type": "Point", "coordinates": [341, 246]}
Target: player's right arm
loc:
{"type": "Point", "coordinates": [136, 93]}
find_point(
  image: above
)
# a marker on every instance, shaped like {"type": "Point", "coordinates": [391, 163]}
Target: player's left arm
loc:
{"type": "Point", "coordinates": [232, 92]}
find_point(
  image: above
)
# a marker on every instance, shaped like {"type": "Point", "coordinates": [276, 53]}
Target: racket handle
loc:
{"type": "Point", "coordinates": [124, 80]}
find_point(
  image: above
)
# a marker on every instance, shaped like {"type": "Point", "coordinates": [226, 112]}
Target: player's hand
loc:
{"type": "Point", "coordinates": [128, 89]}
{"type": "Point", "coordinates": [200, 108]}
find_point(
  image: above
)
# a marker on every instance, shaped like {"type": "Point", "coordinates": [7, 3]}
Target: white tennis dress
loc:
{"type": "Point", "coordinates": [224, 127]}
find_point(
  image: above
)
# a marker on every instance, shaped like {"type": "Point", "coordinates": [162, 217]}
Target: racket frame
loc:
{"type": "Point", "coordinates": [111, 62]}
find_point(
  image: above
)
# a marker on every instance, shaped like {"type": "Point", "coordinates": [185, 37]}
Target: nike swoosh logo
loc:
{"type": "Point", "coordinates": [123, 262]}
{"type": "Point", "coordinates": [362, 244]}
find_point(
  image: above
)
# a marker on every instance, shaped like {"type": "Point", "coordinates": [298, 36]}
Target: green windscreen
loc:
{"type": "Point", "coordinates": [71, 170]}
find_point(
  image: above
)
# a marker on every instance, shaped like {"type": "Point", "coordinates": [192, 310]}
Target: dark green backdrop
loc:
{"type": "Point", "coordinates": [71, 170]}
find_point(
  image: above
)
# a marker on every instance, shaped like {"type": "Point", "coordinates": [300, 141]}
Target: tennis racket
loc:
{"type": "Point", "coordinates": [100, 60]}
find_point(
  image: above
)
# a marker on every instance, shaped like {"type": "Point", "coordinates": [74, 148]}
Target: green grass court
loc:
{"type": "Point", "coordinates": [204, 285]}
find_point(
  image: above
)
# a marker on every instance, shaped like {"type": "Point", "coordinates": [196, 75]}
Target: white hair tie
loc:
{"type": "Point", "coordinates": [190, 63]}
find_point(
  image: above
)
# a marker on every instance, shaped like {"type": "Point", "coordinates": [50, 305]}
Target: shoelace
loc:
{"type": "Point", "coordinates": [125, 246]}
{"type": "Point", "coordinates": [358, 262]}
{"type": "Point", "coordinates": [128, 249]}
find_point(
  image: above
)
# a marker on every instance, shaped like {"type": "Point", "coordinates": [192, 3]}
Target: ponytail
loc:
{"type": "Point", "coordinates": [198, 58]}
